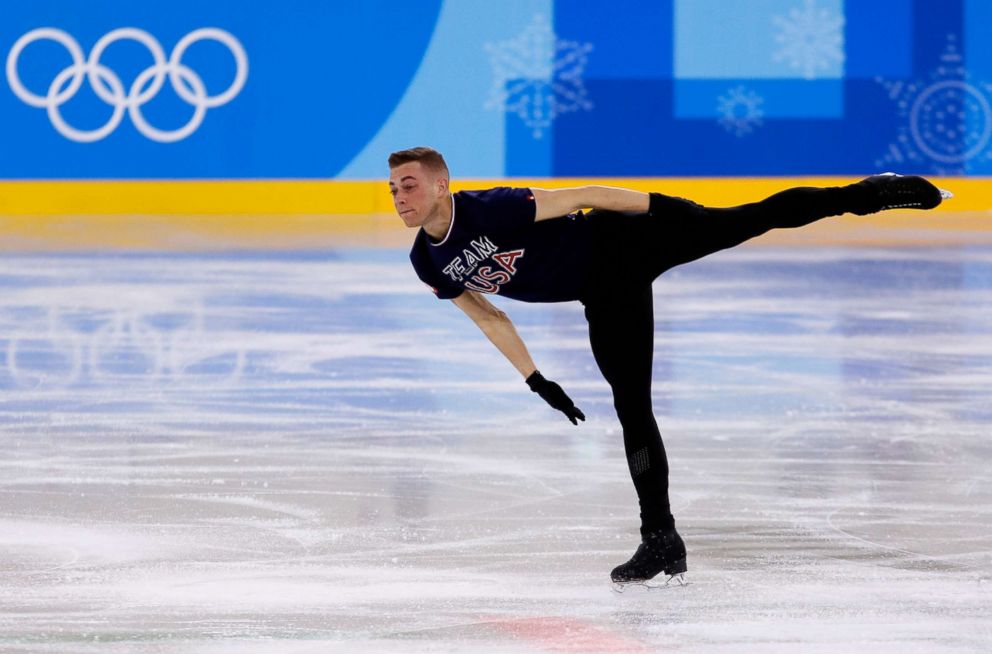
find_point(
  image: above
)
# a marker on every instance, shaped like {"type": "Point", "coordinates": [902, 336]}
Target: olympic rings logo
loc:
{"type": "Point", "coordinates": [110, 89]}
{"type": "Point", "coordinates": [128, 346]}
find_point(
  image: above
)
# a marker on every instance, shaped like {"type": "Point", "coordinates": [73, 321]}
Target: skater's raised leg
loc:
{"type": "Point", "coordinates": [686, 231]}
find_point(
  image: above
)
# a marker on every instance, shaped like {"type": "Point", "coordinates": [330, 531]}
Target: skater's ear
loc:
{"type": "Point", "coordinates": [441, 184]}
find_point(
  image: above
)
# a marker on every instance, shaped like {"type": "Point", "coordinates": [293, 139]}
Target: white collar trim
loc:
{"type": "Point", "coordinates": [450, 225]}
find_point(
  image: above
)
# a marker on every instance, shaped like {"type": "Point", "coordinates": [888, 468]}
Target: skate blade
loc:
{"type": "Point", "coordinates": [674, 581]}
{"type": "Point", "coordinates": [945, 194]}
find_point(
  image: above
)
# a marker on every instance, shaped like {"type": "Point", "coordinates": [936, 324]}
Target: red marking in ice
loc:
{"type": "Point", "coordinates": [571, 635]}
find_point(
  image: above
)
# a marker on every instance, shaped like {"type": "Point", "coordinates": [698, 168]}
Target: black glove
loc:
{"type": "Point", "coordinates": [553, 395]}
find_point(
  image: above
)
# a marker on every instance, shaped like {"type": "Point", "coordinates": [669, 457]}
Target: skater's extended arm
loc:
{"type": "Point", "coordinates": [563, 201]}
{"type": "Point", "coordinates": [497, 327]}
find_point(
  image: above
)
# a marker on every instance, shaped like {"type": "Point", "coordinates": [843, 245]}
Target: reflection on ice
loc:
{"type": "Point", "coordinates": [206, 451]}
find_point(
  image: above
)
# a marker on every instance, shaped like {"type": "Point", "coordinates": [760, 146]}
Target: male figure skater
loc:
{"type": "Point", "coordinates": [536, 245]}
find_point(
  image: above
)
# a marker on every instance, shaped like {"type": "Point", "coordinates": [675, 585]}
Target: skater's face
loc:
{"type": "Point", "coordinates": [417, 192]}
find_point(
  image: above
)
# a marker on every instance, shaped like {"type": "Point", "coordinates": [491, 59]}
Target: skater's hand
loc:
{"type": "Point", "coordinates": [553, 395]}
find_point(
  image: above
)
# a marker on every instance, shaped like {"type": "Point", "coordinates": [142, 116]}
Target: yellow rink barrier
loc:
{"type": "Point", "coordinates": [267, 214]}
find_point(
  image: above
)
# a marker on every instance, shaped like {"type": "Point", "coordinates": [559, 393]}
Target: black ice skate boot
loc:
{"type": "Point", "coordinates": [661, 550]}
{"type": "Point", "coordinates": [892, 191]}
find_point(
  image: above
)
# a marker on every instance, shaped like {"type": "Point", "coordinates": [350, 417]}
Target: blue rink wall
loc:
{"type": "Point", "coordinates": [517, 88]}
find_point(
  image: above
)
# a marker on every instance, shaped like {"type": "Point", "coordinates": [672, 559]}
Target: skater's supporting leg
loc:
{"type": "Point", "coordinates": [621, 332]}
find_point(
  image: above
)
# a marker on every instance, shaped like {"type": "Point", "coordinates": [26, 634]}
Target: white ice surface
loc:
{"type": "Point", "coordinates": [310, 453]}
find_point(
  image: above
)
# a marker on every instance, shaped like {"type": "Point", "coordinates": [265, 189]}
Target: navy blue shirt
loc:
{"type": "Point", "coordinates": [494, 245]}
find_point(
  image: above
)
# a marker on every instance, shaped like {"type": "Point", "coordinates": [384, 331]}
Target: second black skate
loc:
{"type": "Point", "coordinates": [892, 191]}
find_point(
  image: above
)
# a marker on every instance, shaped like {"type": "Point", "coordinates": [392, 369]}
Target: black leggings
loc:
{"type": "Point", "coordinates": [631, 251]}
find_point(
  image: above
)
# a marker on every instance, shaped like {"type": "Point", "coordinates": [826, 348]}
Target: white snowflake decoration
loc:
{"type": "Point", "coordinates": [740, 110]}
{"type": "Point", "coordinates": [538, 76]}
{"type": "Point", "coordinates": [811, 39]}
{"type": "Point", "coordinates": [948, 119]}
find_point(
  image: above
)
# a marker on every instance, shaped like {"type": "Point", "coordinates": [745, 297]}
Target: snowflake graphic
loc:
{"type": "Point", "coordinates": [740, 110]}
{"type": "Point", "coordinates": [948, 119]}
{"type": "Point", "coordinates": [538, 76]}
{"type": "Point", "coordinates": [811, 39]}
